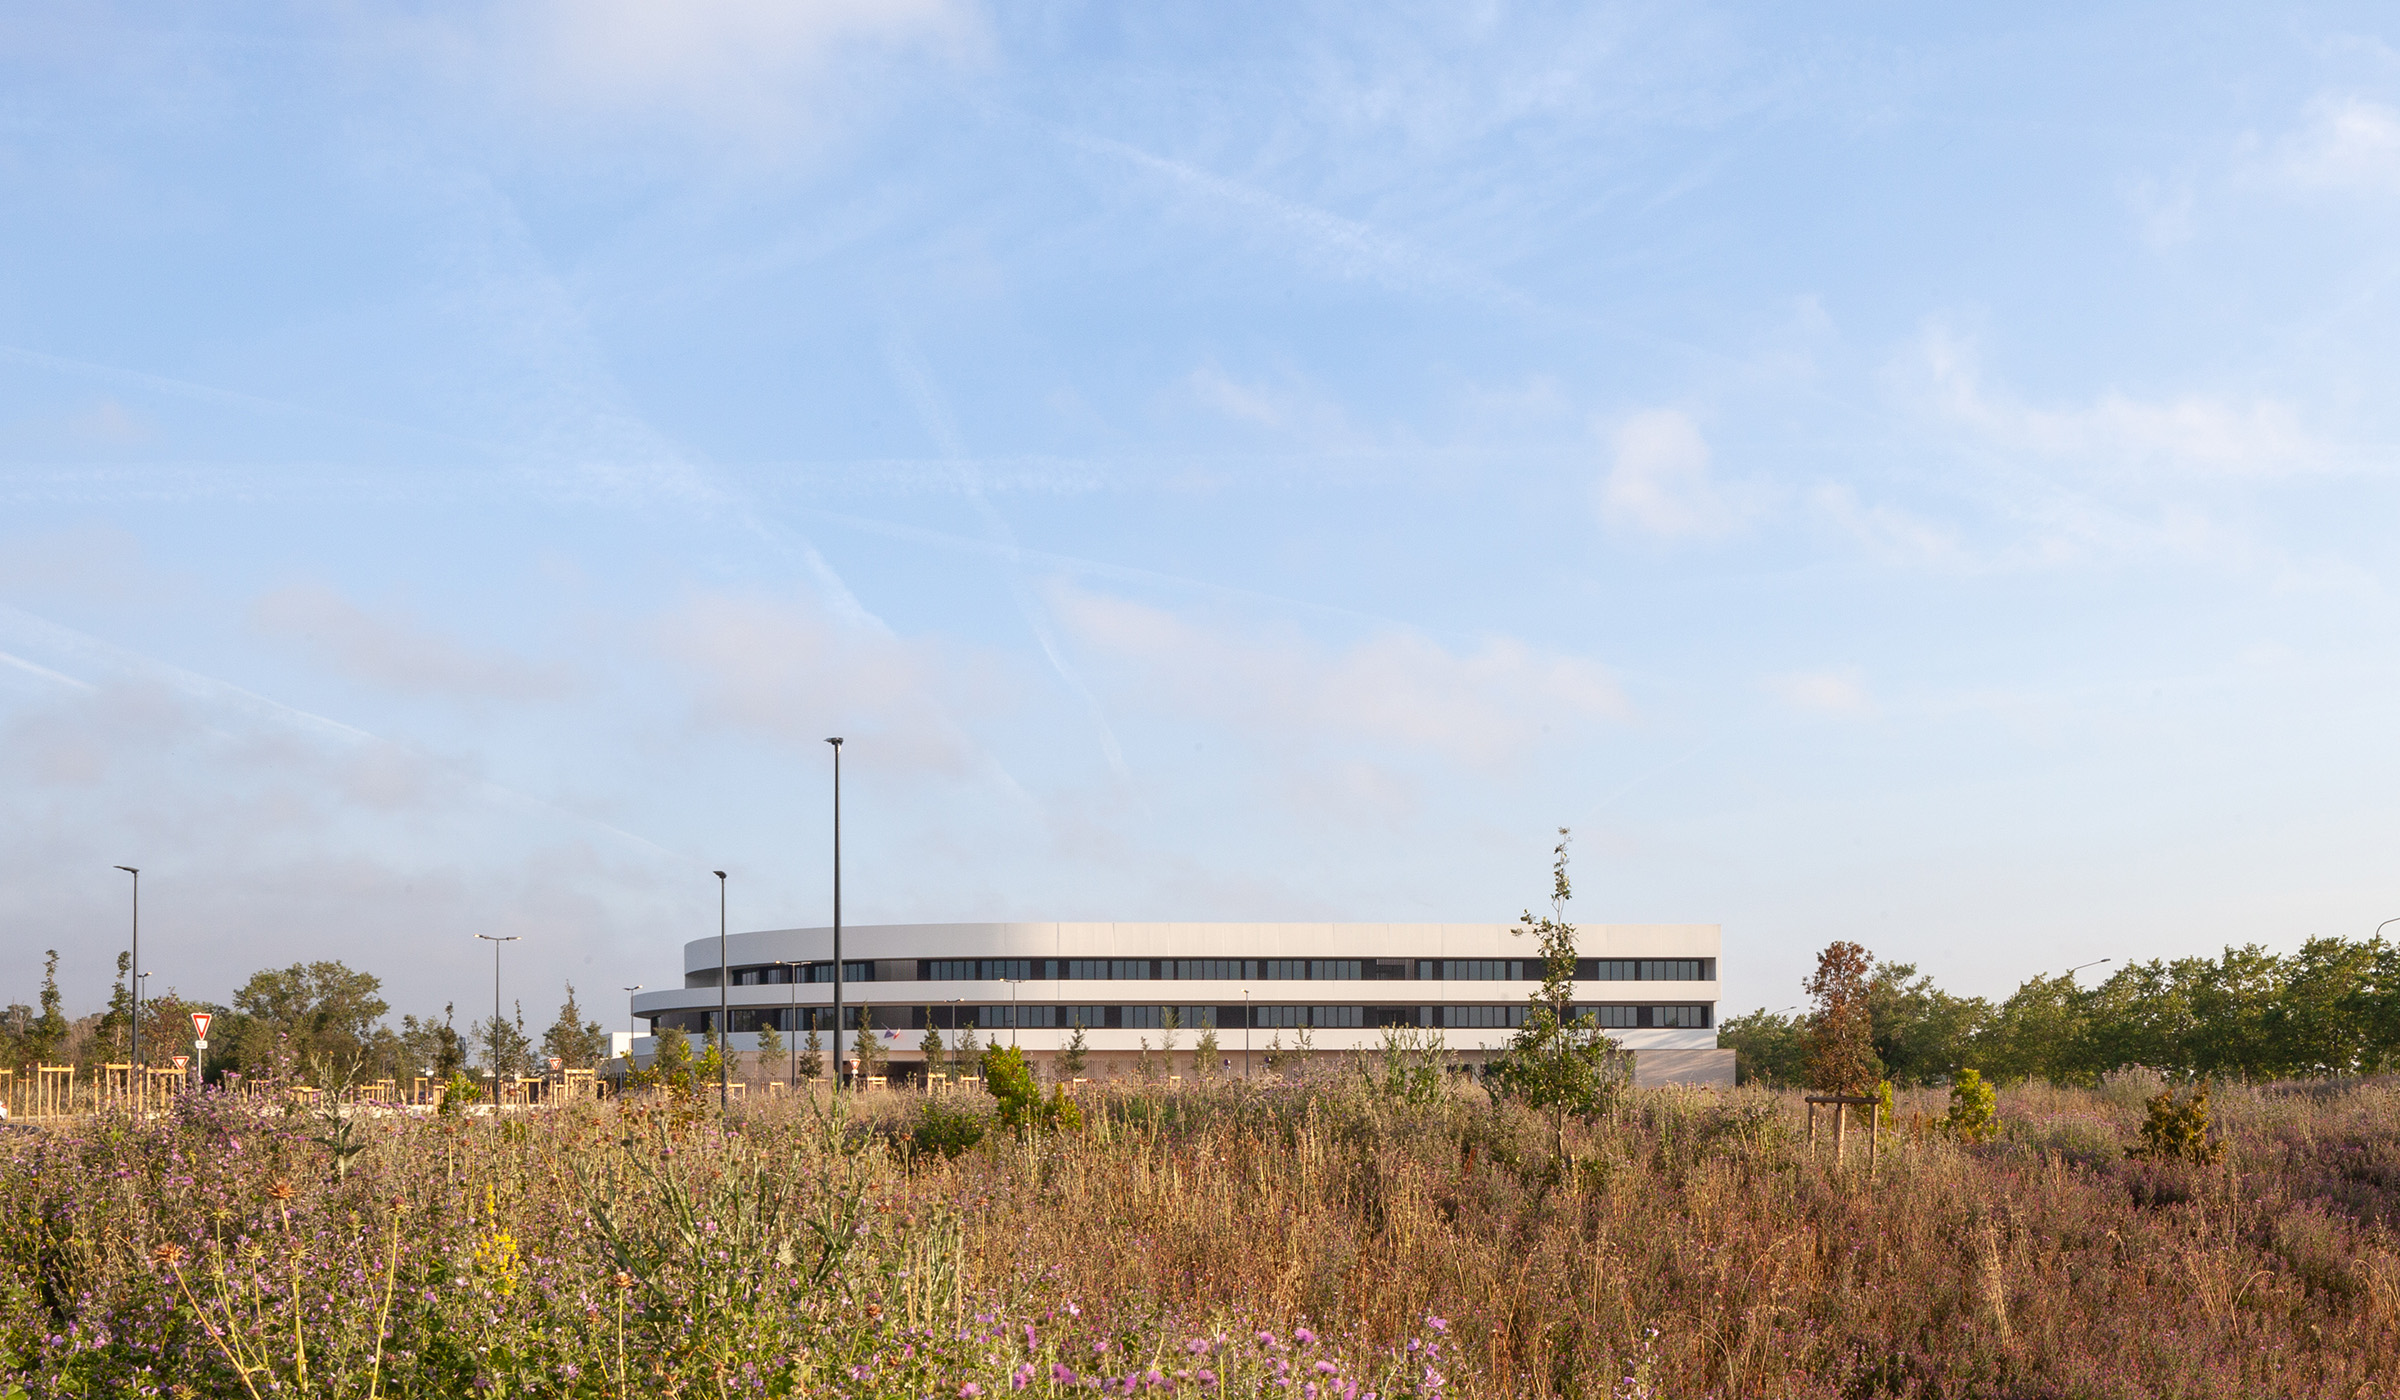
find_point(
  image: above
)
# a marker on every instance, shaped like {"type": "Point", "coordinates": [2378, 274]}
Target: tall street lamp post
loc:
{"type": "Point", "coordinates": [837, 913]}
{"type": "Point", "coordinates": [496, 941]}
{"type": "Point", "coordinates": [137, 964]}
{"type": "Point", "coordinates": [1245, 1032]}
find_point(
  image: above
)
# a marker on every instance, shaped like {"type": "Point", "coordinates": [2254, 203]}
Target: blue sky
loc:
{"type": "Point", "coordinates": [1918, 477]}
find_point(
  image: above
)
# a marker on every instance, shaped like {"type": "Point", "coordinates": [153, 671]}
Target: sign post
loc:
{"type": "Point", "coordinates": [200, 1020]}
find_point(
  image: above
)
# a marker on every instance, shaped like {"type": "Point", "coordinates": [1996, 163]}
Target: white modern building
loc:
{"type": "Point", "coordinates": [1134, 988]}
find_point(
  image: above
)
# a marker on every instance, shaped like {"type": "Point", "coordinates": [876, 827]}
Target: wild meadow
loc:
{"type": "Point", "coordinates": [1326, 1239]}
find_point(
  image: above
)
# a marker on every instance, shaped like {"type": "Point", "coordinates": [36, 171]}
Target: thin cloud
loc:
{"type": "Point", "coordinates": [1841, 692]}
{"type": "Point", "coordinates": [397, 653]}
{"type": "Point", "coordinates": [758, 71]}
{"type": "Point", "coordinates": [2349, 145]}
{"type": "Point", "coordinates": [786, 668]}
{"type": "Point", "coordinates": [1350, 248]}
{"type": "Point", "coordinates": [2193, 433]}
{"type": "Point", "coordinates": [1395, 689]}
{"type": "Point", "coordinates": [1660, 482]}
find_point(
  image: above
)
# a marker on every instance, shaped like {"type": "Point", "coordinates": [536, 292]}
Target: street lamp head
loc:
{"type": "Point", "coordinates": [718, 873]}
{"type": "Point", "coordinates": [129, 870]}
{"type": "Point", "coordinates": [495, 938]}
{"type": "Point", "coordinates": [835, 742]}
{"type": "Point", "coordinates": [635, 987]}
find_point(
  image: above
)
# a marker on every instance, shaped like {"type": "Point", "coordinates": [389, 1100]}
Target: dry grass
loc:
{"type": "Point", "coordinates": [1689, 1247]}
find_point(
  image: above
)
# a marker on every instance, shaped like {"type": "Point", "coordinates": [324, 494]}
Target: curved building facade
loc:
{"type": "Point", "coordinates": [1147, 989]}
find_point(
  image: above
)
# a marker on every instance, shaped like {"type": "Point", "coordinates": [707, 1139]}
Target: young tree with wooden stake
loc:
{"type": "Point", "coordinates": [931, 1048]}
{"type": "Point", "coordinates": [812, 1050]}
{"type": "Point", "coordinates": [1841, 1044]}
{"type": "Point", "coordinates": [770, 1044]}
{"type": "Point", "coordinates": [865, 1048]}
{"type": "Point", "coordinates": [1557, 1062]}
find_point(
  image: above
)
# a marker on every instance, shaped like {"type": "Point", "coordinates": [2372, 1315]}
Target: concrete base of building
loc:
{"type": "Point", "coordinates": [1702, 1068]}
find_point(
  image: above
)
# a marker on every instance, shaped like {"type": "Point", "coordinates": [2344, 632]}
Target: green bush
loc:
{"type": "Point", "coordinates": [946, 1130]}
{"type": "Point", "coordinates": [1022, 1108]}
{"type": "Point", "coordinates": [457, 1092]}
{"type": "Point", "coordinates": [2178, 1129]}
{"type": "Point", "coordinates": [1974, 1109]}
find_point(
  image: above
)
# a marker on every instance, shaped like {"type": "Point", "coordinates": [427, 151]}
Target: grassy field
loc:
{"type": "Point", "coordinates": [1313, 1240]}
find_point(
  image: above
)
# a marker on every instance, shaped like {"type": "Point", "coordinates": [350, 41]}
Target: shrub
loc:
{"type": "Point", "coordinates": [457, 1092]}
{"type": "Point", "coordinates": [944, 1129]}
{"type": "Point", "coordinates": [1974, 1109]}
{"type": "Point", "coordinates": [1022, 1107]}
{"type": "Point", "coordinates": [2179, 1130]}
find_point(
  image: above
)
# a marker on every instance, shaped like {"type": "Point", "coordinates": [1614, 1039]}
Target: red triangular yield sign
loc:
{"type": "Point", "coordinates": [181, 1061]}
{"type": "Point", "coordinates": [200, 1020]}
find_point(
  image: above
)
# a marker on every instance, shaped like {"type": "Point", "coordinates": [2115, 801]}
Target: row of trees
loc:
{"type": "Point", "coordinates": [2331, 1008]}
{"type": "Point", "coordinates": [307, 1021]}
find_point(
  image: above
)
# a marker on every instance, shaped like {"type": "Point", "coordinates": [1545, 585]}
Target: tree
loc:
{"type": "Point", "coordinates": [46, 1038]}
{"type": "Point", "coordinates": [2140, 1016]}
{"type": "Point", "coordinates": [578, 1043]}
{"type": "Point", "coordinates": [434, 1050]}
{"type": "Point", "coordinates": [1558, 1063]}
{"type": "Point", "coordinates": [502, 1046]}
{"type": "Point", "coordinates": [167, 1026]}
{"type": "Point", "coordinates": [1204, 1053]}
{"type": "Point", "coordinates": [865, 1048]}
{"type": "Point", "coordinates": [770, 1045]}
{"type": "Point", "coordinates": [292, 1019]}
{"type": "Point", "coordinates": [1168, 1024]}
{"type": "Point", "coordinates": [1768, 1048]}
{"type": "Point", "coordinates": [110, 1042]}
{"type": "Point", "coordinates": [1070, 1064]}
{"type": "Point", "coordinates": [2234, 1027]}
{"type": "Point", "coordinates": [1920, 1033]}
{"type": "Point", "coordinates": [671, 1069]}
{"type": "Point", "coordinates": [2318, 1025]}
{"type": "Point", "coordinates": [1841, 1048]}
{"type": "Point", "coordinates": [965, 1056]}
{"type": "Point", "coordinates": [812, 1053]}
{"type": "Point", "coordinates": [2040, 1032]}
{"type": "Point", "coordinates": [931, 1047]}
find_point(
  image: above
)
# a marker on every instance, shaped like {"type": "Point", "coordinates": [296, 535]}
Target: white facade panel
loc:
{"type": "Point", "coordinates": [1349, 972]}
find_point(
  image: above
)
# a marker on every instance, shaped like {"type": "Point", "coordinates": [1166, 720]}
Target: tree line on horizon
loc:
{"type": "Point", "coordinates": [311, 1021]}
{"type": "Point", "coordinates": [2331, 1008]}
